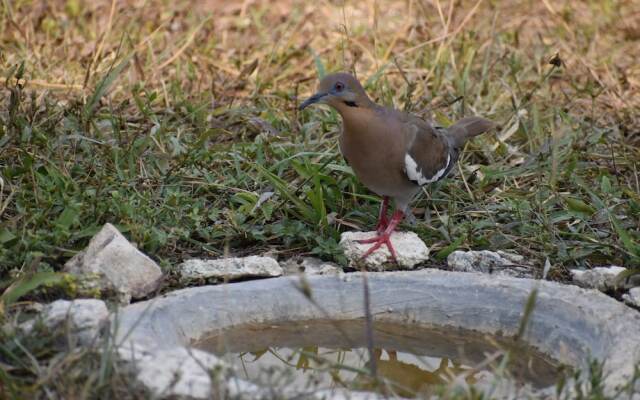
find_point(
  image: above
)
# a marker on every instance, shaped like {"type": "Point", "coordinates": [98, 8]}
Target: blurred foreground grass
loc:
{"type": "Point", "coordinates": [176, 121]}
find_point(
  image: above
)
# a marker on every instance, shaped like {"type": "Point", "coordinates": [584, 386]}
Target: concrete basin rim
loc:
{"type": "Point", "coordinates": [589, 322]}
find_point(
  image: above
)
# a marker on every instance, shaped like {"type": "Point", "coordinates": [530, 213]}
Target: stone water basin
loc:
{"type": "Point", "coordinates": [568, 325]}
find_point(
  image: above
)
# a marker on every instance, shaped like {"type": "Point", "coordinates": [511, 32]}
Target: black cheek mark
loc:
{"type": "Point", "coordinates": [351, 103]}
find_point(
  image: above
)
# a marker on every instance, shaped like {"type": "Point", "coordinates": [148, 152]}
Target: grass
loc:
{"type": "Point", "coordinates": [192, 146]}
{"type": "Point", "coordinates": [50, 364]}
{"type": "Point", "coordinates": [177, 122]}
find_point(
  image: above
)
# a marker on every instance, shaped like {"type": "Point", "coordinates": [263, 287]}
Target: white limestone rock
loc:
{"type": "Point", "coordinates": [410, 251]}
{"type": "Point", "coordinates": [177, 372]}
{"type": "Point", "coordinates": [190, 373]}
{"type": "Point", "coordinates": [119, 266]}
{"type": "Point", "coordinates": [229, 269]}
{"type": "Point", "coordinates": [632, 297]}
{"type": "Point", "coordinates": [82, 319]}
{"type": "Point", "coordinates": [310, 266]}
{"type": "Point", "coordinates": [490, 262]}
{"type": "Point", "coordinates": [603, 278]}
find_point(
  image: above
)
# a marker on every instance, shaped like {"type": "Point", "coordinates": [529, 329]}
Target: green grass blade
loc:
{"type": "Point", "coordinates": [630, 245]}
{"type": "Point", "coordinates": [25, 285]}
{"type": "Point", "coordinates": [103, 86]}
{"type": "Point", "coordinates": [282, 187]}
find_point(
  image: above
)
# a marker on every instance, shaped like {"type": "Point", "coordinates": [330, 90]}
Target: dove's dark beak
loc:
{"type": "Point", "coordinates": [312, 100]}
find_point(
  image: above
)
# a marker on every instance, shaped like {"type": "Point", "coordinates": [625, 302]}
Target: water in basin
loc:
{"type": "Point", "coordinates": [410, 361]}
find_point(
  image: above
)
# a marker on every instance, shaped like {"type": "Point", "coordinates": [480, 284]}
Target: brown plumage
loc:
{"type": "Point", "coordinates": [393, 153]}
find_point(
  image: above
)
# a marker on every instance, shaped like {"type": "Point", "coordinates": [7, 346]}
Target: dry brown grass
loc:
{"type": "Point", "coordinates": [248, 48]}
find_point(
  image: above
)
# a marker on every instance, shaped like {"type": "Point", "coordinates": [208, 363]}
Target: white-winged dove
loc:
{"type": "Point", "coordinates": [393, 153]}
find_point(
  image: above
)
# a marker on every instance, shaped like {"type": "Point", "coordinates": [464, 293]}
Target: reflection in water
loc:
{"type": "Point", "coordinates": [406, 376]}
{"type": "Point", "coordinates": [330, 354]}
{"type": "Point", "coordinates": [407, 379]}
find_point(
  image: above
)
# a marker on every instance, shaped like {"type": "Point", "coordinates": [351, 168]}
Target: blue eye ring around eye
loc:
{"type": "Point", "coordinates": [338, 86]}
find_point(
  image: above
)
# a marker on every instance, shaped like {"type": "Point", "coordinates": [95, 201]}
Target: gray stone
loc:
{"type": "Point", "coordinates": [82, 319]}
{"type": "Point", "coordinates": [310, 266]}
{"type": "Point", "coordinates": [410, 251]}
{"type": "Point", "coordinates": [229, 269]}
{"type": "Point", "coordinates": [119, 266]}
{"type": "Point", "coordinates": [180, 372]}
{"type": "Point", "coordinates": [632, 297]}
{"type": "Point", "coordinates": [316, 266]}
{"type": "Point", "coordinates": [490, 262]}
{"type": "Point", "coordinates": [570, 324]}
{"type": "Point", "coordinates": [183, 372]}
{"type": "Point", "coordinates": [602, 278]}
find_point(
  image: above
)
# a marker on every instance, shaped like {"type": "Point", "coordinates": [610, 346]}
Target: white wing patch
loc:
{"type": "Point", "coordinates": [415, 173]}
